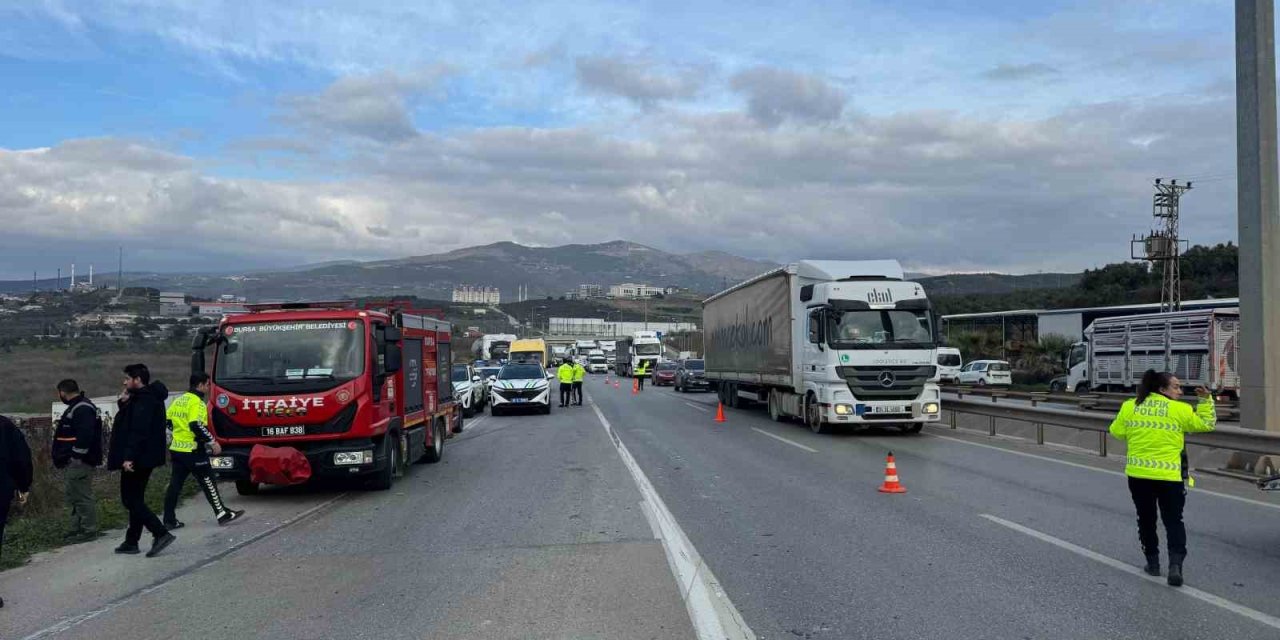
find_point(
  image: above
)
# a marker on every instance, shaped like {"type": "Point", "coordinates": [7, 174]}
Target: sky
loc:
{"type": "Point", "coordinates": [953, 136]}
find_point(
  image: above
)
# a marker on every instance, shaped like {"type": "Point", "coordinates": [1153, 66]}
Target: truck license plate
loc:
{"type": "Point", "coordinates": [272, 432]}
{"type": "Point", "coordinates": [895, 408]}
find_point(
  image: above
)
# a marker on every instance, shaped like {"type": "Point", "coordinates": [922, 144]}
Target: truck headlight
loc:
{"type": "Point", "coordinates": [844, 409]}
{"type": "Point", "coordinates": [930, 407]}
{"type": "Point", "coordinates": [353, 457]}
{"type": "Point", "coordinates": [222, 462]}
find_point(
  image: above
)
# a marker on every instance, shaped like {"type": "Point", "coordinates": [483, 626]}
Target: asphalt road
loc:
{"type": "Point", "coordinates": [806, 547]}
{"type": "Point", "coordinates": [534, 527]}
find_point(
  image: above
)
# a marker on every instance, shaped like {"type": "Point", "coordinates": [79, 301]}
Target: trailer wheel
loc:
{"type": "Point", "coordinates": [248, 488]}
{"type": "Point", "coordinates": [457, 425]}
{"type": "Point", "coordinates": [435, 450]}
{"type": "Point", "coordinates": [775, 406]}
{"type": "Point", "coordinates": [812, 416]}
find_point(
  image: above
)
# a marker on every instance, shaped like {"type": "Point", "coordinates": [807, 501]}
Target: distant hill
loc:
{"type": "Point", "coordinates": [995, 283]}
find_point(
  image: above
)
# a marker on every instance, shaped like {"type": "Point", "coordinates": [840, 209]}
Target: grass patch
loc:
{"type": "Point", "coordinates": [32, 530]}
{"type": "Point", "coordinates": [30, 374]}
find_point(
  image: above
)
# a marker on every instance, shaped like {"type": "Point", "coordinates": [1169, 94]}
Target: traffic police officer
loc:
{"type": "Point", "coordinates": [1152, 425]}
{"type": "Point", "coordinates": [187, 417]}
{"type": "Point", "coordinates": [565, 375]}
{"type": "Point", "coordinates": [641, 372]}
{"type": "Point", "coordinates": [579, 375]}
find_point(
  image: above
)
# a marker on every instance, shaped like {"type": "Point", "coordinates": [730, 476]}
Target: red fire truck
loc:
{"type": "Point", "coordinates": [331, 389]}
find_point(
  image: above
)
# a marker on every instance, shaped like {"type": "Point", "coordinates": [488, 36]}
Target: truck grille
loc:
{"type": "Point", "coordinates": [868, 383]}
{"type": "Point", "coordinates": [225, 427]}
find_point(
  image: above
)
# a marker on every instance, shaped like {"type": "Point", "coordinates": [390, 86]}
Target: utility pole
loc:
{"type": "Point", "coordinates": [1163, 245]}
{"type": "Point", "coordinates": [1258, 208]}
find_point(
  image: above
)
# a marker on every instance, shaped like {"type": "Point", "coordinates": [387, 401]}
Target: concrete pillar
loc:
{"type": "Point", "coordinates": [1259, 215]}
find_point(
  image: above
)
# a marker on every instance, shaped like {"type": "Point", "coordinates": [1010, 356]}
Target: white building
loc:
{"type": "Point", "coordinates": [468, 294]}
{"type": "Point", "coordinates": [174, 304]}
{"type": "Point", "coordinates": [590, 291]}
{"type": "Point", "coordinates": [602, 327]}
{"type": "Point", "coordinates": [219, 309]}
{"type": "Point", "coordinates": [631, 290]}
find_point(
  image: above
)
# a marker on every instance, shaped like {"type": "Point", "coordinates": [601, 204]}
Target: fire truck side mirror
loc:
{"type": "Point", "coordinates": [392, 362]}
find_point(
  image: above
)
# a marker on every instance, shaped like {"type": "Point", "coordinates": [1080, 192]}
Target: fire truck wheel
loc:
{"type": "Point", "coordinates": [435, 449]}
{"type": "Point", "coordinates": [457, 426]}
{"type": "Point", "coordinates": [248, 488]}
{"type": "Point", "coordinates": [384, 477]}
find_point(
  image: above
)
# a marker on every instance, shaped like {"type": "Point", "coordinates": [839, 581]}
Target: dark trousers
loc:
{"type": "Point", "coordinates": [1168, 497]}
{"type": "Point", "coordinates": [640, 382]}
{"type": "Point", "coordinates": [566, 393]}
{"type": "Point", "coordinates": [577, 392]}
{"type": "Point", "coordinates": [133, 495]}
{"type": "Point", "coordinates": [195, 464]}
{"type": "Point", "coordinates": [6, 497]}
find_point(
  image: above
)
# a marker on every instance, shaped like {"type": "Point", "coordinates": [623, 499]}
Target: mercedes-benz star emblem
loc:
{"type": "Point", "coordinates": [887, 379]}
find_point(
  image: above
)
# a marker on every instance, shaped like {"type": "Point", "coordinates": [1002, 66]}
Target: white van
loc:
{"type": "Point", "coordinates": [949, 363]}
{"type": "Point", "coordinates": [987, 372]}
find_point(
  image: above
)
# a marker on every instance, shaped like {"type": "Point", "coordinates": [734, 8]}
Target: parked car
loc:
{"type": "Point", "coordinates": [691, 375]}
{"type": "Point", "coordinates": [521, 385]}
{"type": "Point", "coordinates": [664, 374]}
{"type": "Point", "coordinates": [468, 388]}
{"type": "Point", "coordinates": [949, 364]}
{"type": "Point", "coordinates": [488, 374]}
{"type": "Point", "coordinates": [987, 372]}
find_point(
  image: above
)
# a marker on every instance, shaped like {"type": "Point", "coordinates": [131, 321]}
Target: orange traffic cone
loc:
{"type": "Point", "coordinates": [891, 484]}
{"type": "Point", "coordinates": [635, 387]}
{"type": "Point", "coordinates": [720, 412]}
{"type": "Point", "coordinates": [617, 385]}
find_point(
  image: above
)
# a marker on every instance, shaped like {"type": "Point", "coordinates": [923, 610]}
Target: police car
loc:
{"type": "Point", "coordinates": [521, 386]}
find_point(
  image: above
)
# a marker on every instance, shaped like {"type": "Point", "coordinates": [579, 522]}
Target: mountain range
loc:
{"type": "Point", "coordinates": [509, 266]}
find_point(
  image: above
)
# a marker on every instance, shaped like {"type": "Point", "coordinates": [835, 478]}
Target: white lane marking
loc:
{"type": "Point", "coordinates": [76, 621]}
{"type": "Point", "coordinates": [782, 439]}
{"type": "Point", "coordinates": [1259, 503]}
{"type": "Point", "coordinates": [713, 614]}
{"type": "Point", "coordinates": [698, 407]}
{"type": "Point", "coordinates": [1193, 592]}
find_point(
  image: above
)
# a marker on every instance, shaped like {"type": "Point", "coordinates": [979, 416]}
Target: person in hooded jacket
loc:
{"type": "Point", "coordinates": [138, 444]}
{"type": "Point", "coordinates": [77, 450]}
{"type": "Point", "coordinates": [15, 471]}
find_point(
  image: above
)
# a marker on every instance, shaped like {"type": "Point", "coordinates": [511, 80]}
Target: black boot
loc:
{"type": "Point", "coordinates": [1153, 565]}
{"type": "Point", "coordinates": [1175, 571]}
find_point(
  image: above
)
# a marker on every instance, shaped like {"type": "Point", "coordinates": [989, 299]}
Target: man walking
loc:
{"type": "Point", "coordinates": [77, 450]}
{"type": "Point", "coordinates": [137, 448]}
{"type": "Point", "coordinates": [564, 374]}
{"type": "Point", "coordinates": [641, 372]}
{"type": "Point", "coordinates": [579, 375]}
{"type": "Point", "coordinates": [15, 471]}
{"type": "Point", "coordinates": [187, 416]}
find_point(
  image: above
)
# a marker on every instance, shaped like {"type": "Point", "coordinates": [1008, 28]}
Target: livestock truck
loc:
{"type": "Point", "coordinates": [340, 391]}
{"type": "Point", "coordinates": [828, 342]}
{"type": "Point", "coordinates": [642, 347]}
{"type": "Point", "coordinates": [493, 347]}
{"type": "Point", "coordinates": [1197, 346]}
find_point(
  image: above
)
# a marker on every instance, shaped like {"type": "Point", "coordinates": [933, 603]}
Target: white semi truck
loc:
{"type": "Point", "coordinates": [1197, 346]}
{"type": "Point", "coordinates": [642, 347]}
{"type": "Point", "coordinates": [493, 347]}
{"type": "Point", "coordinates": [829, 342]}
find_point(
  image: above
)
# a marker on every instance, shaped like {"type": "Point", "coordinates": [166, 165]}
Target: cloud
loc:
{"type": "Point", "coordinates": [636, 80]}
{"type": "Point", "coordinates": [1016, 72]}
{"type": "Point", "coordinates": [774, 95]}
{"type": "Point", "coordinates": [373, 107]}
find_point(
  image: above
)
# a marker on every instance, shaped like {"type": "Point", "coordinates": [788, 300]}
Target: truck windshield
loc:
{"type": "Point", "coordinates": [499, 350]}
{"type": "Point", "coordinates": [301, 356]}
{"type": "Point", "coordinates": [459, 373]}
{"type": "Point", "coordinates": [648, 349]}
{"type": "Point", "coordinates": [597, 360]}
{"type": "Point", "coordinates": [882, 329]}
{"type": "Point", "coordinates": [949, 359]}
{"type": "Point", "coordinates": [527, 356]}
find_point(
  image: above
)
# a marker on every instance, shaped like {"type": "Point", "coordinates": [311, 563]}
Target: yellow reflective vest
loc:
{"type": "Point", "coordinates": [1153, 433]}
{"type": "Point", "coordinates": [579, 372]}
{"type": "Point", "coordinates": [643, 369]}
{"type": "Point", "coordinates": [565, 373]}
{"type": "Point", "coordinates": [188, 410]}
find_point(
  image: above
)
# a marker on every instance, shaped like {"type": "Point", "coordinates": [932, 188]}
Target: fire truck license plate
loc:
{"type": "Point", "coordinates": [271, 432]}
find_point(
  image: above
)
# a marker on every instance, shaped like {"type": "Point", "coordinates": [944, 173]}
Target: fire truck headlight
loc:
{"type": "Point", "coordinates": [222, 462]}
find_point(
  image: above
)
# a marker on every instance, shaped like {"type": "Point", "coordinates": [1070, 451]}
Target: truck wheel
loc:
{"type": "Point", "coordinates": [248, 488]}
{"type": "Point", "coordinates": [812, 416]}
{"type": "Point", "coordinates": [1083, 387]}
{"type": "Point", "coordinates": [435, 449]}
{"type": "Point", "coordinates": [775, 406]}
{"type": "Point", "coordinates": [914, 427]}
{"type": "Point", "coordinates": [457, 426]}
{"type": "Point", "coordinates": [383, 478]}
{"type": "Point", "coordinates": [1057, 387]}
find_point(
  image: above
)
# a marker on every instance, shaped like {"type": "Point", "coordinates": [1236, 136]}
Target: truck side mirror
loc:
{"type": "Point", "coordinates": [394, 358]}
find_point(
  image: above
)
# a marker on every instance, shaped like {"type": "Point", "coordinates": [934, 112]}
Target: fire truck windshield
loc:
{"type": "Point", "coordinates": [302, 356]}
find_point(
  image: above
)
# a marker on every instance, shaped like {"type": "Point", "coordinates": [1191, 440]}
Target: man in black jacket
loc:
{"type": "Point", "coordinates": [15, 470]}
{"type": "Point", "coordinates": [137, 448]}
{"type": "Point", "coordinates": [77, 450]}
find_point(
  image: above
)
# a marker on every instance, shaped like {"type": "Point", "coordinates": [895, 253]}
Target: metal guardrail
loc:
{"type": "Point", "coordinates": [1228, 438]}
{"type": "Point", "coordinates": [1227, 409]}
